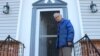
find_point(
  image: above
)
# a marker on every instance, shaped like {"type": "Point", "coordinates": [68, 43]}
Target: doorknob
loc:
{"type": "Point", "coordinates": [50, 41]}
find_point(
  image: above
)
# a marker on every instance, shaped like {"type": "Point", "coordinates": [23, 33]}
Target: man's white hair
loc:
{"type": "Point", "coordinates": [56, 14]}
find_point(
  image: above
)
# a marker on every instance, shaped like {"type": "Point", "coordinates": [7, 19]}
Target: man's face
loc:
{"type": "Point", "coordinates": [58, 18]}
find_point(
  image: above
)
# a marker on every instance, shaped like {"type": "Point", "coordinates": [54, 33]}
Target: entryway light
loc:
{"type": "Point", "coordinates": [93, 7]}
{"type": "Point", "coordinates": [6, 8]}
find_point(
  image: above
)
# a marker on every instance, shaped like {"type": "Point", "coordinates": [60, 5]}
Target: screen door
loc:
{"type": "Point", "coordinates": [47, 34]}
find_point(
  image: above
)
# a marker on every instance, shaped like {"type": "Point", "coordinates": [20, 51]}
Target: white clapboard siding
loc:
{"type": "Point", "coordinates": [91, 21]}
{"type": "Point", "coordinates": [8, 22]}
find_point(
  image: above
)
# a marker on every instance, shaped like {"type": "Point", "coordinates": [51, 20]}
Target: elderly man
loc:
{"type": "Point", "coordinates": [65, 35]}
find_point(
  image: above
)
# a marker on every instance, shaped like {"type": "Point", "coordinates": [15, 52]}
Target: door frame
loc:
{"type": "Point", "coordinates": [38, 24]}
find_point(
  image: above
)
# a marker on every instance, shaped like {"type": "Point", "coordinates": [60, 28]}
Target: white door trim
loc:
{"type": "Point", "coordinates": [38, 24]}
{"type": "Point", "coordinates": [19, 19]}
{"type": "Point", "coordinates": [80, 18]}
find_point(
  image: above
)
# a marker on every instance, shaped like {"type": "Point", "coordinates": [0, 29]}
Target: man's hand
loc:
{"type": "Point", "coordinates": [69, 43]}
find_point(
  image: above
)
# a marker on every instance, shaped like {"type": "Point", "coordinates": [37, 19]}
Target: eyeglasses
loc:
{"type": "Point", "coordinates": [56, 17]}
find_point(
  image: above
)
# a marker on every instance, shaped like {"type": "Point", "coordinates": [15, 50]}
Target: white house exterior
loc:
{"type": "Point", "coordinates": [18, 23]}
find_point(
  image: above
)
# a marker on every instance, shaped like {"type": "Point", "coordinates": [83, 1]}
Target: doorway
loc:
{"type": "Point", "coordinates": [47, 34]}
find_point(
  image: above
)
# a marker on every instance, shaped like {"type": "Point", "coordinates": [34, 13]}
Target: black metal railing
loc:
{"type": "Point", "coordinates": [85, 47]}
{"type": "Point", "coordinates": [11, 47]}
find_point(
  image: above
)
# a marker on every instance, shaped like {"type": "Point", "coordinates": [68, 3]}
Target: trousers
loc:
{"type": "Point", "coordinates": [65, 51]}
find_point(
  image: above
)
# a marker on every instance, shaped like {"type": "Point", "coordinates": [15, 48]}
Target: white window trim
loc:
{"type": "Point", "coordinates": [38, 24]}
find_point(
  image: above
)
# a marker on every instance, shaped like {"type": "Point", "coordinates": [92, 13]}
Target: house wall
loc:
{"type": "Point", "coordinates": [8, 22]}
{"type": "Point", "coordinates": [91, 21]}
